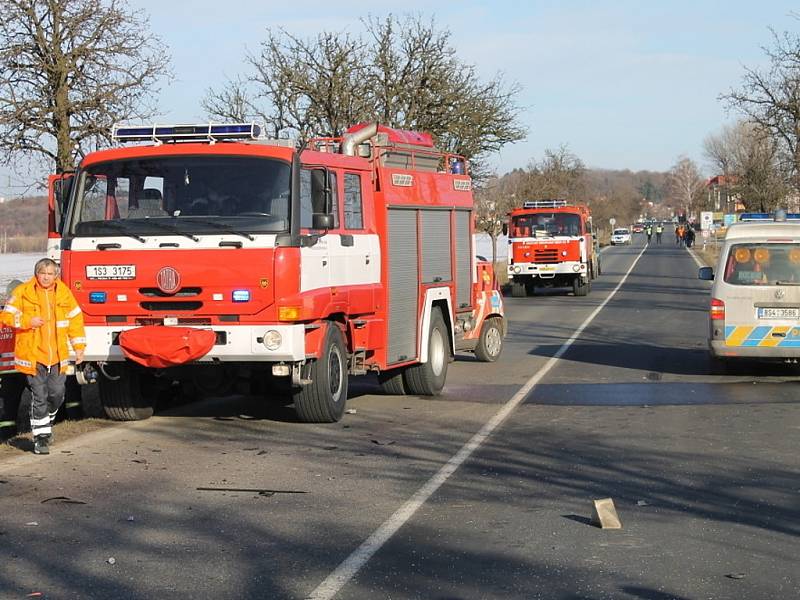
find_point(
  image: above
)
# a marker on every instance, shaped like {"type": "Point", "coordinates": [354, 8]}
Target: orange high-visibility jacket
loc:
{"type": "Point", "coordinates": [24, 305]}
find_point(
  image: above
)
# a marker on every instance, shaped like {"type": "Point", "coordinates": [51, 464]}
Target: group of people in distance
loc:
{"type": "Point", "coordinates": [684, 235]}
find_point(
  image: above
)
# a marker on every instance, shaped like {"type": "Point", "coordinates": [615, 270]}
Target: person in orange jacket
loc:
{"type": "Point", "coordinates": [47, 320]}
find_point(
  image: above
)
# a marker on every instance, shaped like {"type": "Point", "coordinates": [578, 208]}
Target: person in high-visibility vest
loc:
{"type": "Point", "coordinates": [659, 231]}
{"type": "Point", "coordinates": [649, 231]}
{"type": "Point", "coordinates": [48, 321]}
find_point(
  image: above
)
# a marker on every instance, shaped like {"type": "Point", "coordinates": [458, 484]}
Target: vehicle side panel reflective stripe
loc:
{"type": "Point", "coordinates": [762, 336]}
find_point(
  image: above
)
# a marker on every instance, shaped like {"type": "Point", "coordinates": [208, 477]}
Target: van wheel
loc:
{"type": "Point", "coordinates": [323, 400]}
{"type": "Point", "coordinates": [427, 379]}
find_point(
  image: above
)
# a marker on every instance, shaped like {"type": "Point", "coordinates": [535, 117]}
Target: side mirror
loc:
{"type": "Point", "coordinates": [706, 273]}
{"type": "Point", "coordinates": [321, 221]}
{"type": "Point", "coordinates": [505, 229]}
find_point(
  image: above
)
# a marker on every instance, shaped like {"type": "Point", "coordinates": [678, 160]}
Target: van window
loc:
{"type": "Point", "coordinates": [762, 264]}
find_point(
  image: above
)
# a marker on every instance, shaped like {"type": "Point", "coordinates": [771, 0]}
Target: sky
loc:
{"type": "Point", "coordinates": [623, 84]}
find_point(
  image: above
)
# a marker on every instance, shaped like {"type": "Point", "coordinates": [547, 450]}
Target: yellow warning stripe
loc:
{"type": "Point", "coordinates": [770, 341]}
{"type": "Point", "coordinates": [738, 336]}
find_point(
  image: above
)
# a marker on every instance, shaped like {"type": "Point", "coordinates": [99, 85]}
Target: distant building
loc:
{"type": "Point", "coordinates": [720, 196]}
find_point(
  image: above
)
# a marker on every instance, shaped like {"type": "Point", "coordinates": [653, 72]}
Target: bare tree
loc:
{"type": "Point", "coordinates": [559, 174]}
{"type": "Point", "coordinates": [69, 69]}
{"type": "Point", "coordinates": [685, 185]}
{"type": "Point", "coordinates": [403, 73]}
{"type": "Point", "coordinates": [749, 158]}
{"type": "Point", "coordinates": [771, 98]}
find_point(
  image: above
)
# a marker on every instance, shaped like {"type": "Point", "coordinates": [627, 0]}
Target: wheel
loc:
{"type": "Point", "coordinates": [323, 400]}
{"type": "Point", "coordinates": [490, 341]}
{"type": "Point", "coordinates": [580, 288]}
{"type": "Point", "coordinates": [391, 382]}
{"type": "Point", "coordinates": [530, 289]}
{"type": "Point", "coordinates": [517, 289]}
{"type": "Point", "coordinates": [126, 399]}
{"type": "Point", "coordinates": [23, 417]}
{"type": "Point", "coordinates": [427, 379]}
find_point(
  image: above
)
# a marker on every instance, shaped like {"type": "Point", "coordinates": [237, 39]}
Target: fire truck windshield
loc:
{"type": "Point", "coordinates": [185, 194]}
{"type": "Point", "coordinates": [546, 223]}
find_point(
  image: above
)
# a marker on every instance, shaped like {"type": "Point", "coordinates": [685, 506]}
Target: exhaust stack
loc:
{"type": "Point", "coordinates": [352, 140]}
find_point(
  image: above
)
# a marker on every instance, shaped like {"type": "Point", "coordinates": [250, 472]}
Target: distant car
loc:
{"type": "Point", "coordinates": [621, 236]}
{"type": "Point", "coordinates": [638, 228]}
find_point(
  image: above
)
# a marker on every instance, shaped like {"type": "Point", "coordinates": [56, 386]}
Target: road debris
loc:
{"type": "Point", "coordinates": [642, 503]}
{"type": "Point", "coordinates": [735, 575]}
{"type": "Point", "coordinates": [32, 524]}
{"type": "Point", "coordinates": [62, 500]}
{"type": "Point", "coordinates": [383, 442]}
{"type": "Point", "coordinates": [604, 514]}
{"type": "Point", "coordinates": [350, 411]}
{"type": "Point", "coordinates": [267, 493]}
{"type": "Point", "coordinates": [111, 560]}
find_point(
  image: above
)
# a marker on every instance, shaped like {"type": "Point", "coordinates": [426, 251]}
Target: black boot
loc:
{"type": "Point", "coordinates": [41, 445]}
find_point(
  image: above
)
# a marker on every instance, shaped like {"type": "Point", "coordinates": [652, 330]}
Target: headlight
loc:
{"type": "Point", "coordinates": [272, 340]}
{"type": "Point", "coordinates": [517, 270]}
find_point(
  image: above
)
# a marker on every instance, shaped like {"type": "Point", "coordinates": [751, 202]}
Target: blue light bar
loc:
{"type": "Point", "coordinates": [185, 133]}
{"type": "Point", "coordinates": [767, 216]}
{"type": "Point", "coordinates": [241, 295]}
{"type": "Point", "coordinates": [97, 297]}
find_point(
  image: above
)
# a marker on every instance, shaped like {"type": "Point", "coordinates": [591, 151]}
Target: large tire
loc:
{"type": "Point", "coordinates": [490, 341]}
{"type": "Point", "coordinates": [518, 289]}
{"type": "Point", "coordinates": [323, 400]}
{"type": "Point", "coordinates": [530, 288]}
{"type": "Point", "coordinates": [427, 379]}
{"type": "Point", "coordinates": [580, 288]}
{"type": "Point", "coordinates": [391, 382]}
{"type": "Point", "coordinates": [126, 399]}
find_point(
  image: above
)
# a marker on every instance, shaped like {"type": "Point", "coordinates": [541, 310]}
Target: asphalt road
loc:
{"type": "Point", "coordinates": [388, 504]}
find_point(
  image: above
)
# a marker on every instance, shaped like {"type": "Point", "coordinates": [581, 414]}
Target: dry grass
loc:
{"type": "Point", "coordinates": [708, 256]}
{"type": "Point", "coordinates": [63, 431]}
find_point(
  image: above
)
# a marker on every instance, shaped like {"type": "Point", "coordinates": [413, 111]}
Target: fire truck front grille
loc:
{"type": "Point", "coordinates": [171, 306]}
{"type": "Point", "coordinates": [151, 292]}
{"type": "Point", "coordinates": [546, 255]}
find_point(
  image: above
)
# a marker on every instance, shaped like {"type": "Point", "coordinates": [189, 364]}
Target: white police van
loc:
{"type": "Point", "coordinates": [755, 297]}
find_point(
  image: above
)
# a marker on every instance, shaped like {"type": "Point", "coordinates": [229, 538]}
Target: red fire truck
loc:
{"type": "Point", "coordinates": [208, 253]}
{"type": "Point", "coordinates": [551, 244]}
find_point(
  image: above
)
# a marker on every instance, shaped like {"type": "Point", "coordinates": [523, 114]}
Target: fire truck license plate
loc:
{"type": "Point", "coordinates": [547, 268]}
{"type": "Point", "coordinates": [111, 271]}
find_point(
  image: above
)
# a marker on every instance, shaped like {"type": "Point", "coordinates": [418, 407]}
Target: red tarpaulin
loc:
{"type": "Point", "coordinates": [159, 347]}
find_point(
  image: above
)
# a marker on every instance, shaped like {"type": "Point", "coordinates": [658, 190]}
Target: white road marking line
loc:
{"type": "Point", "coordinates": [361, 555]}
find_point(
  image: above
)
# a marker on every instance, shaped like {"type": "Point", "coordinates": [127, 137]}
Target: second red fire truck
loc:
{"type": "Point", "coordinates": [551, 244]}
{"type": "Point", "coordinates": [205, 252]}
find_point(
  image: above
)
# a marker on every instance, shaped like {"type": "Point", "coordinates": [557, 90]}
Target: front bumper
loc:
{"type": "Point", "coordinates": [240, 343]}
{"type": "Point", "coordinates": [547, 271]}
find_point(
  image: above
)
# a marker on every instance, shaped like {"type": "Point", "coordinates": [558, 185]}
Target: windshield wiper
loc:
{"type": "Point", "coordinates": [223, 227]}
{"type": "Point", "coordinates": [173, 229]}
{"type": "Point", "coordinates": [787, 283]}
{"type": "Point", "coordinates": [120, 227]}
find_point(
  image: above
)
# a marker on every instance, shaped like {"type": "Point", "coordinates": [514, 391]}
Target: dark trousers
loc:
{"type": "Point", "coordinates": [47, 389]}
